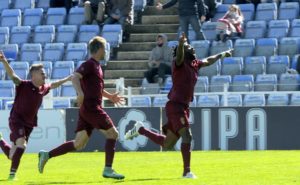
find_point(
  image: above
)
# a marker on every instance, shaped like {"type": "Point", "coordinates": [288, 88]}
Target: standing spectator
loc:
{"type": "Point", "coordinates": [255, 2]}
{"type": "Point", "coordinates": [68, 4]}
{"type": "Point", "coordinates": [231, 24]}
{"type": "Point", "coordinates": [160, 60]}
{"type": "Point", "coordinates": [211, 8]}
{"type": "Point", "coordinates": [93, 10]}
{"type": "Point", "coordinates": [190, 12]}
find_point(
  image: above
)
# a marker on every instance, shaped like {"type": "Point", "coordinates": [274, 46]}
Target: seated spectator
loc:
{"type": "Point", "coordinates": [160, 60]}
{"type": "Point", "coordinates": [120, 12]}
{"type": "Point", "coordinates": [93, 10]}
{"type": "Point", "coordinates": [68, 4]}
{"type": "Point", "coordinates": [231, 24]}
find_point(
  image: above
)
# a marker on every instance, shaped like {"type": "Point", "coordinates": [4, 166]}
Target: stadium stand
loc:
{"type": "Point", "coordinates": [62, 69]}
{"type": "Point", "coordinates": [244, 47]}
{"type": "Point", "coordinates": [288, 10]}
{"type": "Point", "coordinates": [255, 65]}
{"type": "Point", "coordinates": [209, 30]}
{"type": "Point", "coordinates": [201, 48]}
{"type": "Point", "coordinates": [76, 16]}
{"type": "Point", "coordinates": [289, 82]}
{"type": "Point", "coordinates": [11, 51]}
{"type": "Point", "coordinates": [76, 52]}
{"type": "Point", "coordinates": [266, 47]}
{"type": "Point", "coordinates": [56, 16]}
{"type": "Point", "coordinates": [266, 12]}
{"type": "Point", "coordinates": [255, 29]}
{"type": "Point", "coordinates": [220, 83]}
{"type": "Point", "coordinates": [254, 100]}
{"type": "Point", "coordinates": [278, 65]}
{"type": "Point", "coordinates": [218, 47]}
{"type": "Point", "coordinates": [33, 17]}
{"type": "Point", "coordinates": [242, 83]}
{"type": "Point", "coordinates": [21, 69]}
{"type": "Point", "coordinates": [232, 66]}
{"type": "Point", "coordinates": [53, 52]}
{"type": "Point", "coordinates": [144, 101]}
{"type": "Point", "coordinates": [44, 34]}
{"type": "Point", "coordinates": [113, 33]}
{"type": "Point", "coordinates": [86, 32]}
{"type": "Point", "coordinates": [66, 34]}
{"type": "Point", "coordinates": [31, 52]}
{"type": "Point", "coordinates": [11, 17]}
{"type": "Point", "coordinates": [4, 35]}
{"type": "Point", "coordinates": [278, 28]}
{"type": "Point", "coordinates": [278, 99]}
{"type": "Point", "coordinates": [232, 100]}
{"type": "Point", "coordinates": [160, 101]}
{"type": "Point", "coordinates": [20, 35]}
{"type": "Point", "coordinates": [208, 100]}
{"type": "Point", "coordinates": [265, 82]}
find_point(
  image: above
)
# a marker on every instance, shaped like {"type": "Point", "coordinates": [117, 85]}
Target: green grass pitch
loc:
{"type": "Point", "coordinates": [162, 168]}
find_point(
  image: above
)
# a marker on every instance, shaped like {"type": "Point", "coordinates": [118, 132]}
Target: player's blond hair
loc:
{"type": "Point", "coordinates": [35, 67]}
{"type": "Point", "coordinates": [96, 43]}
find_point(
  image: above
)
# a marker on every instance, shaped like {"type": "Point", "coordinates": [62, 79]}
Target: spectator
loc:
{"type": "Point", "coordinates": [211, 8]}
{"type": "Point", "coordinates": [189, 13]}
{"type": "Point", "coordinates": [160, 60]}
{"type": "Point", "coordinates": [93, 10]}
{"type": "Point", "coordinates": [68, 4]}
{"type": "Point", "coordinates": [231, 24]}
{"type": "Point", "coordinates": [255, 2]}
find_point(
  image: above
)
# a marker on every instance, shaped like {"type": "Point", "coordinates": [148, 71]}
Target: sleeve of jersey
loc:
{"type": "Point", "coordinates": [200, 64]}
{"type": "Point", "coordinates": [47, 88]}
{"type": "Point", "coordinates": [84, 69]}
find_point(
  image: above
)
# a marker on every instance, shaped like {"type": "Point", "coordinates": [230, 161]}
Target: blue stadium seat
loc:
{"type": "Point", "coordinates": [191, 35]}
{"type": "Point", "coordinates": [21, 69]}
{"type": "Point", "coordinates": [61, 103]}
{"type": "Point", "coordinates": [217, 83]}
{"type": "Point", "coordinates": [255, 29]}
{"type": "Point", "coordinates": [255, 65]}
{"type": "Point", "coordinates": [278, 65]}
{"type": "Point", "coordinates": [289, 46]}
{"type": "Point", "coordinates": [244, 47]}
{"type": "Point", "coordinates": [229, 1]}
{"type": "Point", "coordinates": [33, 17]}
{"type": "Point", "coordinates": [232, 66]}
{"type": "Point", "coordinates": [8, 104]}
{"type": "Point", "coordinates": [150, 88]}
{"type": "Point", "coordinates": [31, 52]}
{"type": "Point", "coordinates": [7, 88]}
{"type": "Point", "coordinates": [1, 104]}
{"type": "Point", "coordinates": [23, 4]}
{"type": "Point", "coordinates": [242, 83]}
{"type": "Point", "coordinates": [295, 29]}
{"type": "Point", "coordinates": [10, 51]}
{"type": "Point", "coordinates": [141, 101]}
{"type": "Point", "coordinates": [113, 33]}
{"type": "Point", "coordinates": [194, 102]}
{"type": "Point", "coordinates": [139, 5]}
{"type": "Point", "coordinates": [218, 47]}
{"type": "Point", "coordinates": [289, 82]}
{"type": "Point", "coordinates": [76, 16]}
{"type": "Point", "coordinates": [266, 11]}
{"type": "Point", "coordinates": [5, 4]}
{"type": "Point", "coordinates": [211, 100]}
{"type": "Point", "coordinates": [295, 99]}
{"type": "Point", "coordinates": [278, 99]}
{"type": "Point", "coordinates": [87, 32]}
{"type": "Point", "coordinates": [201, 48]}
{"type": "Point", "coordinates": [2, 72]}
{"type": "Point", "coordinates": [254, 100]}
{"type": "Point", "coordinates": [265, 82]}
{"type": "Point", "coordinates": [66, 34]}
{"type": "Point", "coordinates": [56, 16]}
{"type": "Point", "coordinates": [248, 11]}
{"type": "Point", "coordinates": [288, 10]}
{"type": "Point", "coordinates": [278, 28]}
{"type": "Point", "coordinates": [172, 43]}
{"type": "Point", "coordinates": [209, 30]}
{"type": "Point", "coordinates": [202, 84]}
{"type": "Point", "coordinates": [211, 70]}
{"type": "Point", "coordinates": [294, 62]}
{"type": "Point", "coordinates": [4, 35]}
{"type": "Point", "coordinates": [266, 47]}
{"type": "Point", "coordinates": [233, 100]}
{"type": "Point", "coordinates": [220, 12]}
{"type": "Point", "coordinates": [53, 52]}
{"type": "Point", "coordinates": [20, 35]}
{"type": "Point", "coordinates": [76, 51]}
{"type": "Point", "coordinates": [160, 101]}
{"type": "Point", "coordinates": [11, 17]}
{"type": "Point", "coordinates": [44, 34]}
{"type": "Point", "coordinates": [167, 85]}
{"type": "Point", "coordinates": [45, 4]}
{"type": "Point", "coordinates": [47, 66]}
{"type": "Point", "coordinates": [67, 90]}
{"type": "Point", "coordinates": [62, 69]}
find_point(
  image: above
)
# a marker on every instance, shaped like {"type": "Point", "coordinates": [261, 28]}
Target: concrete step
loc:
{"type": "Point", "coordinates": [127, 74]}
{"type": "Point", "coordinates": [157, 28]}
{"type": "Point", "coordinates": [127, 64]}
{"type": "Point", "coordinates": [151, 10]}
{"type": "Point", "coordinates": [150, 37]}
{"type": "Point", "coordinates": [160, 19]}
{"type": "Point", "coordinates": [133, 55]}
{"type": "Point", "coordinates": [137, 46]}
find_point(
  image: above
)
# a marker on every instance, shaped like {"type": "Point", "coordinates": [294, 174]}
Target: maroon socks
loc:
{"type": "Point", "coordinates": [62, 149]}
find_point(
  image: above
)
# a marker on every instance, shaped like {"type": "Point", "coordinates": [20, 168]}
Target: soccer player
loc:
{"type": "Point", "coordinates": [89, 85]}
{"type": "Point", "coordinates": [185, 69]}
{"type": "Point", "coordinates": [23, 115]}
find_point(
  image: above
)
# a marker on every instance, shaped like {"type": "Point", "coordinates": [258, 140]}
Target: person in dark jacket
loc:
{"type": "Point", "coordinates": [190, 12]}
{"type": "Point", "coordinates": [211, 8]}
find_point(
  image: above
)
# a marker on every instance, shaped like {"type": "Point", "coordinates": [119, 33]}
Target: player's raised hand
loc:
{"type": "Point", "coordinates": [182, 39]}
{"type": "Point", "coordinates": [228, 53]}
{"type": "Point", "coordinates": [159, 6]}
{"type": "Point", "coordinates": [2, 56]}
{"type": "Point", "coordinates": [117, 99]}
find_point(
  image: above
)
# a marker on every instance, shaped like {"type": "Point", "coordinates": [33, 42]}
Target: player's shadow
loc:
{"type": "Point", "coordinates": [46, 183]}
{"type": "Point", "coordinates": [147, 179]}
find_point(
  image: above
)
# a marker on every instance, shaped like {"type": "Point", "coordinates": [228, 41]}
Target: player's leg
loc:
{"type": "Point", "coordinates": [170, 140]}
{"type": "Point", "coordinates": [111, 134]}
{"type": "Point", "coordinates": [79, 143]}
{"type": "Point", "coordinates": [186, 136]}
{"type": "Point", "coordinates": [16, 157]}
{"type": "Point", "coordinates": [4, 146]}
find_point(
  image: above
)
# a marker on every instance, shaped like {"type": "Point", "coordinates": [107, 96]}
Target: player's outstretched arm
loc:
{"type": "Point", "coordinates": [180, 50]}
{"type": "Point", "coordinates": [115, 97]}
{"type": "Point", "coordinates": [9, 71]}
{"type": "Point", "coordinates": [60, 82]}
{"type": "Point", "coordinates": [76, 84]}
{"type": "Point", "coordinates": [212, 59]}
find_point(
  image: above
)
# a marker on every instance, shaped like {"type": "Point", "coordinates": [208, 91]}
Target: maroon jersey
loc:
{"type": "Point", "coordinates": [184, 79]}
{"type": "Point", "coordinates": [92, 84]}
{"type": "Point", "coordinates": [27, 102]}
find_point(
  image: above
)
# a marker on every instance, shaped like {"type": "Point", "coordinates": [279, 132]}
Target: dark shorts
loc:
{"type": "Point", "coordinates": [93, 120]}
{"type": "Point", "coordinates": [18, 130]}
{"type": "Point", "coordinates": [178, 116]}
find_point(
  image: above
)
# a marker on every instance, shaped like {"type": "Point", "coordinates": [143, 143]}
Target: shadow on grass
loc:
{"type": "Point", "coordinates": [45, 183]}
{"type": "Point", "coordinates": [147, 179]}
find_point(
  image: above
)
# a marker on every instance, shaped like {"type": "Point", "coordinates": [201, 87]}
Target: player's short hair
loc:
{"type": "Point", "coordinates": [96, 43]}
{"type": "Point", "coordinates": [35, 67]}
